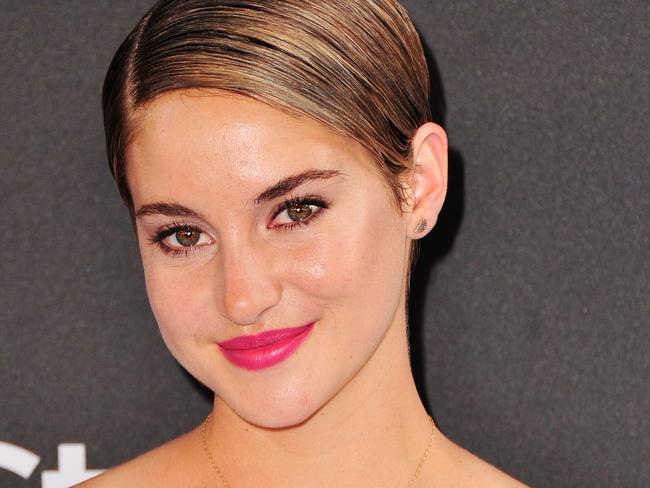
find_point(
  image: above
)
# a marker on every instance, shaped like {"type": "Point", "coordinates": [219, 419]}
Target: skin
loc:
{"type": "Point", "coordinates": [343, 410]}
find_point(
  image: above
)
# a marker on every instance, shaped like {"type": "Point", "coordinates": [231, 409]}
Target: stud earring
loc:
{"type": "Point", "coordinates": [422, 225]}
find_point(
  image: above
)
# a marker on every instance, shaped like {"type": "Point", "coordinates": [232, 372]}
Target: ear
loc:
{"type": "Point", "coordinates": [427, 185]}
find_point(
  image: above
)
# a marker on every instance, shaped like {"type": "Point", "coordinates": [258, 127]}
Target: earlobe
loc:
{"type": "Point", "coordinates": [428, 183]}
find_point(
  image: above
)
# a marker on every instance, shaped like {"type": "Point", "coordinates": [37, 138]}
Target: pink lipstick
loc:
{"type": "Point", "coordinates": [266, 349]}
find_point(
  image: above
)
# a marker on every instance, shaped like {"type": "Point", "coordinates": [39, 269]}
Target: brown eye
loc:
{"type": "Point", "coordinates": [300, 212]}
{"type": "Point", "coordinates": [187, 237]}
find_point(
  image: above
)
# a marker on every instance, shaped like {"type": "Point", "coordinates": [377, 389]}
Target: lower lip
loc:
{"type": "Point", "coordinates": [262, 357]}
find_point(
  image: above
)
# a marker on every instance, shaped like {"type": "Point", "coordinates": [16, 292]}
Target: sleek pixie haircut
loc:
{"type": "Point", "coordinates": [356, 66]}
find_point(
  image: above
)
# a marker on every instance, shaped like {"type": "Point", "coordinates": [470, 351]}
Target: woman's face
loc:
{"type": "Point", "coordinates": [250, 220]}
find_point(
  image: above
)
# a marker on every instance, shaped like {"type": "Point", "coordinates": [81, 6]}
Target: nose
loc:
{"type": "Point", "coordinates": [250, 285]}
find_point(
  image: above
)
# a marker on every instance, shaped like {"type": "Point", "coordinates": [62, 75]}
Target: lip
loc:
{"type": "Point", "coordinates": [266, 349]}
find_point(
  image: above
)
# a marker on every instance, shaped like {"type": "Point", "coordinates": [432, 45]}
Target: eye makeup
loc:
{"type": "Point", "coordinates": [299, 204]}
{"type": "Point", "coordinates": [174, 230]}
{"type": "Point", "coordinates": [188, 236]}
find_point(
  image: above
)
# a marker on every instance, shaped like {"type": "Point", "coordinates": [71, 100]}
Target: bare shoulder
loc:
{"type": "Point", "coordinates": [175, 463]}
{"type": "Point", "coordinates": [454, 466]}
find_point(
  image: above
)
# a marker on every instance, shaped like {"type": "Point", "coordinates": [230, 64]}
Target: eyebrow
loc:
{"type": "Point", "coordinates": [286, 185]}
{"type": "Point", "coordinates": [167, 209]}
{"type": "Point", "coordinates": [281, 188]}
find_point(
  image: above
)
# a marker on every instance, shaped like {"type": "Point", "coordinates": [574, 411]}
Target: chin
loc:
{"type": "Point", "coordinates": [284, 409]}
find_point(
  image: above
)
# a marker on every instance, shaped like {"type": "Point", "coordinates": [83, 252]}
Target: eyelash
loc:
{"type": "Point", "coordinates": [168, 230]}
{"type": "Point", "coordinates": [171, 229]}
{"type": "Point", "coordinates": [297, 201]}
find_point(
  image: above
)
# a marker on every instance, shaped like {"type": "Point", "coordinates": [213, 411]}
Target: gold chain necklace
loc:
{"type": "Point", "coordinates": [222, 478]}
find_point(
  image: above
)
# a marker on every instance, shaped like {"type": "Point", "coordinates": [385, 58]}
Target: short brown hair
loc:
{"type": "Point", "coordinates": [356, 66]}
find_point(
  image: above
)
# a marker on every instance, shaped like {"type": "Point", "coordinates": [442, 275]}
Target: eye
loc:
{"type": "Point", "coordinates": [181, 239]}
{"type": "Point", "coordinates": [186, 237]}
{"type": "Point", "coordinates": [298, 211]}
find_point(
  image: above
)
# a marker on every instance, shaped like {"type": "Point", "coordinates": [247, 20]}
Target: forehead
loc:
{"type": "Point", "coordinates": [225, 138]}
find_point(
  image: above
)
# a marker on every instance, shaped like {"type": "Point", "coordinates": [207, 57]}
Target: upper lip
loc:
{"type": "Point", "coordinates": [263, 338]}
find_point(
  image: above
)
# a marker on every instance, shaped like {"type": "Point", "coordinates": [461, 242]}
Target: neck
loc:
{"type": "Point", "coordinates": [373, 432]}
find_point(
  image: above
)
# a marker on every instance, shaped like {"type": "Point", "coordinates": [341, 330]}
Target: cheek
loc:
{"type": "Point", "coordinates": [354, 269]}
{"type": "Point", "coordinates": [179, 300]}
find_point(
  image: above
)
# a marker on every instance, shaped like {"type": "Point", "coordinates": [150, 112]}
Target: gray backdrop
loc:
{"type": "Point", "coordinates": [531, 304]}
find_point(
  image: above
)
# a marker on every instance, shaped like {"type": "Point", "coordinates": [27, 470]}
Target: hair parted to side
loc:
{"type": "Point", "coordinates": [356, 66]}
